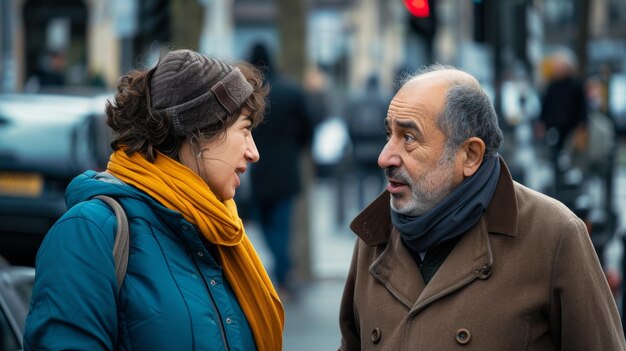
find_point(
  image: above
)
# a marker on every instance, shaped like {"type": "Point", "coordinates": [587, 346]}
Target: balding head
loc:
{"type": "Point", "coordinates": [465, 109]}
{"type": "Point", "coordinates": [445, 74]}
{"type": "Point", "coordinates": [563, 64]}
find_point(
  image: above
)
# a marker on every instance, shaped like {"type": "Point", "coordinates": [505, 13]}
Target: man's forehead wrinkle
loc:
{"type": "Point", "coordinates": [403, 109]}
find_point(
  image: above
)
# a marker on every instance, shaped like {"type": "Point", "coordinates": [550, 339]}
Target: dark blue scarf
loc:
{"type": "Point", "coordinates": [457, 213]}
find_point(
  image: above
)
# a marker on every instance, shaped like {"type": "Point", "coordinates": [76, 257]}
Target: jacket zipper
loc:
{"type": "Point", "coordinates": [214, 306]}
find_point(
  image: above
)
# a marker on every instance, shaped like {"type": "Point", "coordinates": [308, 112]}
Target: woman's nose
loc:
{"type": "Point", "coordinates": [252, 154]}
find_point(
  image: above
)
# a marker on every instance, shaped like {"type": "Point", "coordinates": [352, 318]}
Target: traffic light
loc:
{"type": "Point", "coordinates": [418, 8]}
{"type": "Point", "coordinates": [422, 23]}
{"type": "Point", "coordinates": [485, 20]}
{"type": "Point", "coordinates": [422, 17]}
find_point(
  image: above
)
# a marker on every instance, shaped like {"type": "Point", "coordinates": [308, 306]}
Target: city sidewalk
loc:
{"type": "Point", "coordinates": [312, 316]}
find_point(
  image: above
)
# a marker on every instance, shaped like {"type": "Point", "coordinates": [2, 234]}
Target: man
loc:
{"type": "Point", "coordinates": [563, 113]}
{"type": "Point", "coordinates": [363, 116]}
{"type": "Point", "coordinates": [277, 181]}
{"type": "Point", "coordinates": [563, 105]}
{"type": "Point", "coordinates": [455, 253]}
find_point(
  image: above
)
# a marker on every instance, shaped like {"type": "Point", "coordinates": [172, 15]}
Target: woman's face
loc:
{"type": "Point", "coordinates": [220, 162]}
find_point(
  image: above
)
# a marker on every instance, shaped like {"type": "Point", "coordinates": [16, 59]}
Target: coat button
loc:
{"type": "Point", "coordinates": [463, 336]}
{"type": "Point", "coordinates": [376, 335]}
{"type": "Point", "coordinates": [483, 272]}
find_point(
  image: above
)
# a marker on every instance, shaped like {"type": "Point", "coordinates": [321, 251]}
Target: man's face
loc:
{"type": "Point", "coordinates": [419, 172]}
{"type": "Point", "coordinates": [426, 191]}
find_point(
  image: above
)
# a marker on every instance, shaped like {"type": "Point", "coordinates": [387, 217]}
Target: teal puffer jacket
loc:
{"type": "Point", "coordinates": [174, 297]}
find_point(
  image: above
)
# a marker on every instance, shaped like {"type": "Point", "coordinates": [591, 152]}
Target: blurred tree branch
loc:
{"type": "Point", "coordinates": [292, 21]}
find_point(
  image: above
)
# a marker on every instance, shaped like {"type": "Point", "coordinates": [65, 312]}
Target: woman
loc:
{"type": "Point", "coordinates": [194, 281]}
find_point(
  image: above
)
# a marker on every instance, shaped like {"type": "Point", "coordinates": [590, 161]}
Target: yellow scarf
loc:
{"type": "Point", "coordinates": [180, 189]}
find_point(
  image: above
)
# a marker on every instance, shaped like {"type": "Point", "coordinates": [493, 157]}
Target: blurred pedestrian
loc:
{"type": "Point", "coordinates": [563, 109]}
{"type": "Point", "coordinates": [277, 181]}
{"type": "Point", "coordinates": [455, 253]}
{"type": "Point", "coordinates": [364, 114]}
{"type": "Point", "coordinates": [194, 281]}
{"type": "Point", "coordinates": [318, 94]}
{"type": "Point", "coordinates": [594, 156]}
{"type": "Point", "coordinates": [50, 72]}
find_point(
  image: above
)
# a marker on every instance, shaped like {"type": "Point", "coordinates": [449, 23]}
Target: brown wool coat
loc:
{"type": "Point", "coordinates": [526, 277]}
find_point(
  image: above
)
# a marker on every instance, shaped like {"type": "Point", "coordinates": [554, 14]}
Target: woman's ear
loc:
{"type": "Point", "coordinates": [473, 152]}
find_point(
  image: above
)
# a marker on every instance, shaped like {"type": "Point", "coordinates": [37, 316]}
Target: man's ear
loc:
{"type": "Point", "coordinates": [473, 151]}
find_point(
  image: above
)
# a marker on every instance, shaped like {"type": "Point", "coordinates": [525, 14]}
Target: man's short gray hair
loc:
{"type": "Point", "coordinates": [467, 112]}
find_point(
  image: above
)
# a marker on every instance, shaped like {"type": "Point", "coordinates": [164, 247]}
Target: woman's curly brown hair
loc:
{"type": "Point", "coordinates": [137, 127]}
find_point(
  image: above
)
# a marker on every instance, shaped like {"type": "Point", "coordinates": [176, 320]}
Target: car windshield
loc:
{"type": "Point", "coordinates": [45, 134]}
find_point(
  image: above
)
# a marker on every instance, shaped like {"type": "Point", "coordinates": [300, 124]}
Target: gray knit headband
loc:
{"type": "Point", "coordinates": [196, 91]}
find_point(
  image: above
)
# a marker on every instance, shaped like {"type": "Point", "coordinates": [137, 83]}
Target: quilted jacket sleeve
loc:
{"type": "Point", "coordinates": [73, 304]}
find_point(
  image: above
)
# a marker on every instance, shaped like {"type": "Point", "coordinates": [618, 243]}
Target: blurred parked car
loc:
{"type": "Point", "coordinates": [45, 141]}
{"type": "Point", "coordinates": [16, 284]}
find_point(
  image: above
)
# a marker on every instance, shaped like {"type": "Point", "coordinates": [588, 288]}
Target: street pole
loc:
{"type": "Point", "coordinates": [292, 61]}
{"type": "Point", "coordinates": [497, 58]}
{"type": "Point", "coordinates": [7, 78]}
{"type": "Point", "coordinates": [583, 37]}
{"type": "Point", "coordinates": [125, 28]}
{"type": "Point", "coordinates": [292, 30]}
{"type": "Point", "coordinates": [187, 22]}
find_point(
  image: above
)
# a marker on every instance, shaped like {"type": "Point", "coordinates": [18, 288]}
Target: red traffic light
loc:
{"type": "Point", "coordinates": [417, 8]}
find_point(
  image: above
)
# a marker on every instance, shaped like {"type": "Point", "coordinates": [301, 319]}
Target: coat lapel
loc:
{"type": "Point", "coordinates": [396, 270]}
{"type": "Point", "coordinates": [470, 259]}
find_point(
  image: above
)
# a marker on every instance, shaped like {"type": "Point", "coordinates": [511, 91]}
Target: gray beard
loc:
{"type": "Point", "coordinates": [426, 192]}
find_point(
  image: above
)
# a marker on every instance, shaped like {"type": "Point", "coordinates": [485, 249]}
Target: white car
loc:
{"type": "Point", "coordinates": [45, 141]}
{"type": "Point", "coordinates": [16, 284]}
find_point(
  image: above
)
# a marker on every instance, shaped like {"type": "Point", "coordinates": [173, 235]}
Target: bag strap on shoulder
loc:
{"type": "Point", "coordinates": [122, 241]}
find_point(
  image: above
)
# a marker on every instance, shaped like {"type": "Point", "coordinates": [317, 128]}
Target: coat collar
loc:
{"type": "Point", "coordinates": [395, 269]}
{"type": "Point", "coordinates": [471, 259]}
{"type": "Point", "coordinates": [373, 225]}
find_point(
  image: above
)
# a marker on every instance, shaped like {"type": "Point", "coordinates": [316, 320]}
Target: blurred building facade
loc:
{"type": "Point", "coordinates": [348, 39]}
{"type": "Point", "coordinates": [498, 41]}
